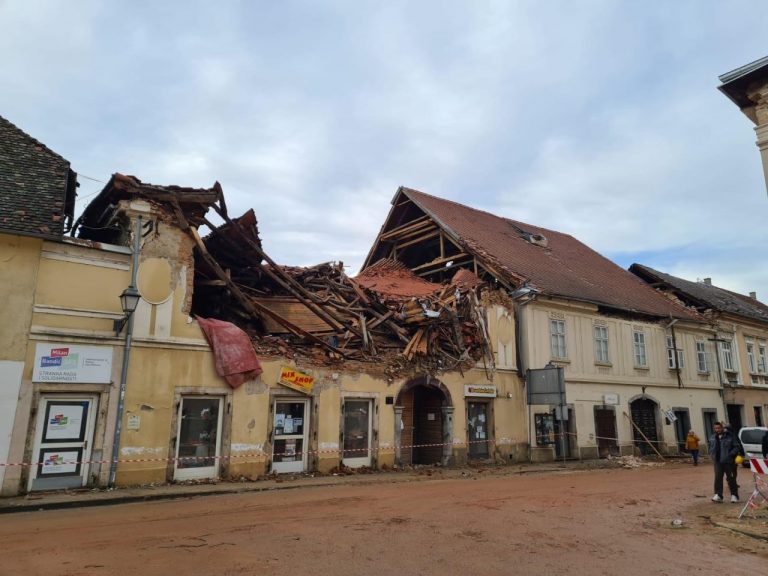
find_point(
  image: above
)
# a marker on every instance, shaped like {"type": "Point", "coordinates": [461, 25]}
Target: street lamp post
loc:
{"type": "Point", "coordinates": [129, 300]}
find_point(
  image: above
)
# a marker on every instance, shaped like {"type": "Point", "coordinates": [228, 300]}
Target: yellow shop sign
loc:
{"type": "Point", "coordinates": [296, 380]}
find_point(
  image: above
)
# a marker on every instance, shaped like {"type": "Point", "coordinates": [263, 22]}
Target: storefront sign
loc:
{"type": "Point", "coordinates": [479, 391]}
{"type": "Point", "coordinates": [71, 363]}
{"type": "Point", "coordinates": [296, 380]}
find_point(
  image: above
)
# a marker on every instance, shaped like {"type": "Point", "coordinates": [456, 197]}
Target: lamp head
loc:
{"type": "Point", "coordinates": [129, 300]}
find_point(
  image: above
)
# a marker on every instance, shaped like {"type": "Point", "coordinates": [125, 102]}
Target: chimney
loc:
{"type": "Point", "coordinates": [753, 295]}
{"type": "Point", "coordinates": [708, 281]}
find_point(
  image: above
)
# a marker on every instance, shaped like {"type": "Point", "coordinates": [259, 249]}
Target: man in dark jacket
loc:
{"type": "Point", "coordinates": [723, 449]}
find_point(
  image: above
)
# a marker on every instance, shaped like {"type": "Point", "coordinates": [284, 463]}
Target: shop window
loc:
{"type": "Point", "coordinates": [545, 429]}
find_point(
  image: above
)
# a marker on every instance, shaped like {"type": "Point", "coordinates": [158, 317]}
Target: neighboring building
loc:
{"type": "Point", "coordinates": [37, 198]}
{"type": "Point", "coordinates": [628, 352]}
{"type": "Point", "coordinates": [747, 87]}
{"type": "Point", "coordinates": [740, 330]}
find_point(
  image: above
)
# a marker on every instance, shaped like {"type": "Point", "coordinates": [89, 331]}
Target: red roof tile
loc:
{"type": "Point", "coordinates": [395, 281]}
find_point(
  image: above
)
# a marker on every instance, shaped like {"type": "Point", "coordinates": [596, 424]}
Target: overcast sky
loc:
{"type": "Point", "coordinates": [601, 119]}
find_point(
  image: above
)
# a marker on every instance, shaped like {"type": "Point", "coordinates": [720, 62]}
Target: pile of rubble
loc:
{"type": "Point", "coordinates": [631, 462]}
{"type": "Point", "coordinates": [387, 315]}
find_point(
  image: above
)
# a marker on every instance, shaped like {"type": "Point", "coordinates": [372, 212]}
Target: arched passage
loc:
{"type": "Point", "coordinates": [425, 423]}
{"type": "Point", "coordinates": [643, 410]}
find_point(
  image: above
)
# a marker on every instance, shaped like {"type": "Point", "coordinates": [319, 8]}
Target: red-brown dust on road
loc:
{"type": "Point", "coordinates": [598, 522]}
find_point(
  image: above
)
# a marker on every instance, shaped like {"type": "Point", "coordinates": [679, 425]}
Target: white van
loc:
{"type": "Point", "coordinates": [751, 437]}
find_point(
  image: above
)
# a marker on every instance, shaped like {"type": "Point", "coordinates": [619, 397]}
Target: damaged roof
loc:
{"type": "Point", "coordinates": [703, 296]}
{"type": "Point", "coordinates": [37, 186]}
{"type": "Point", "coordinates": [188, 205]}
{"type": "Point", "coordinates": [553, 263]}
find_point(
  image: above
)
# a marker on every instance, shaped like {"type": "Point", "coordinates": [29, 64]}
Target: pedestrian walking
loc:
{"type": "Point", "coordinates": [723, 449]}
{"type": "Point", "coordinates": [692, 446]}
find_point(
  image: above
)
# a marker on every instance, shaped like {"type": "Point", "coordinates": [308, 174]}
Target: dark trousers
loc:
{"type": "Point", "coordinates": [730, 474]}
{"type": "Point", "coordinates": [695, 454]}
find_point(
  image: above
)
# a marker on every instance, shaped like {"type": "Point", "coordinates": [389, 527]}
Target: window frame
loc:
{"type": "Point", "coordinates": [726, 355]}
{"type": "Point", "coordinates": [671, 363]}
{"type": "Point", "coordinates": [601, 345]}
{"type": "Point", "coordinates": [557, 338]}
{"type": "Point", "coordinates": [751, 358]}
{"type": "Point", "coordinates": [640, 349]}
{"type": "Point", "coordinates": [701, 357]}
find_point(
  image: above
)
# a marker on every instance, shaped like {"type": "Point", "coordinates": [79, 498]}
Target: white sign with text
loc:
{"type": "Point", "coordinates": [72, 363]}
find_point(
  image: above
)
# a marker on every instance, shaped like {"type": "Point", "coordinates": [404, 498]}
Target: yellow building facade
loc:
{"type": "Point", "coordinates": [181, 420]}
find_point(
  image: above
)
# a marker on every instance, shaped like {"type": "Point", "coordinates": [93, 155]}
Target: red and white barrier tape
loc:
{"type": "Point", "coordinates": [260, 455]}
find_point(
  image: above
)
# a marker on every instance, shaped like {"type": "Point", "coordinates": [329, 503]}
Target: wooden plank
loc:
{"type": "Point", "coordinates": [427, 236]}
{"type": "Point", "coordinates": [276, 273]}
{"type": "Point", "coordinates": [250, 306]}
{"type": "Point", "coordinates": [408, 225]}
{"type": "Point", "coordinates": [440, 261]}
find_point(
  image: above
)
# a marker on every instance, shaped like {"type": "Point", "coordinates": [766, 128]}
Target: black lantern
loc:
{"type": "Point", "coordinates": [129, 300]}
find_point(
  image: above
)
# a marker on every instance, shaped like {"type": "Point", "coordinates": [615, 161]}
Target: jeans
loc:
{"type": "Point", "coordinates": [695, 454]}
{"type": "Point", "coordinates": [730, 474]}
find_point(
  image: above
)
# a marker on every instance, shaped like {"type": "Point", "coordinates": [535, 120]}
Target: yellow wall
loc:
{"type": "Point", "coordinates": [19, 261]}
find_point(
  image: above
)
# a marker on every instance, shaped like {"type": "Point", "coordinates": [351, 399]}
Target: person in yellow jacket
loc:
{"type": "Point", "coordinates": [692, 446]}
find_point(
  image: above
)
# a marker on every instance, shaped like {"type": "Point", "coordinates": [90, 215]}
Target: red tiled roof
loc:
{"type": "Point", "coordinates": [557, 264]}
{"type": "Point", "coordinates": [394, 280]}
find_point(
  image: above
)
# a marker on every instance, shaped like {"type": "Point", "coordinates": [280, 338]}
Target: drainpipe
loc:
{"type": "Point", "coordinates": [717, 341]}
{"type": "Point", "coordinates": [521, 356]}
{"type": "Point", "coordinates": [126, 358]}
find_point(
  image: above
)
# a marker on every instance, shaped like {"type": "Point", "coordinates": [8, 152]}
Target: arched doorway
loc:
{"type": "Point", "coordinates": [425, 423]}
{"type": "Point", "coordinates": [643, 411]}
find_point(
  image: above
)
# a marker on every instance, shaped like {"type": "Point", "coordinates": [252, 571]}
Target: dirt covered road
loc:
{"type": "Point", "coordinates": [595, 522]}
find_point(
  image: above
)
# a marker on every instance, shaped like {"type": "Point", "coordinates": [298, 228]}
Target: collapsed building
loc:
{"type": "Point", "coordinates": [233, 365]}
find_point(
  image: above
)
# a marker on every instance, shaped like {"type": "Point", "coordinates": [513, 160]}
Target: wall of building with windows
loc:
{"type": "Point", "coordinates": [616, 365]}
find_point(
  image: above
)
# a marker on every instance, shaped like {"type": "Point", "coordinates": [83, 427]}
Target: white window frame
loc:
{"type": "Point", "coordinates": [557, 338]}
{"type": "Point", "coordinates": [602, 356]}
{"type": "Point", "coordinates": [751, 358]}
{"type": "Point", "coordinates": [639, 348]}
{"type": "Point", "coordinates": [701, 357]}
{"type": "Point", "coordinates": [762, 362]}
{"type": "Point", "coordinates": [671, 364]}
{"type": "Point", "coordinates": [726, 355]}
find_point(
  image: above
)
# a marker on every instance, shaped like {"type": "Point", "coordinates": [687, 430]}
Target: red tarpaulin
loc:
{"type": "Point", "coordinates": [235, 359]}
